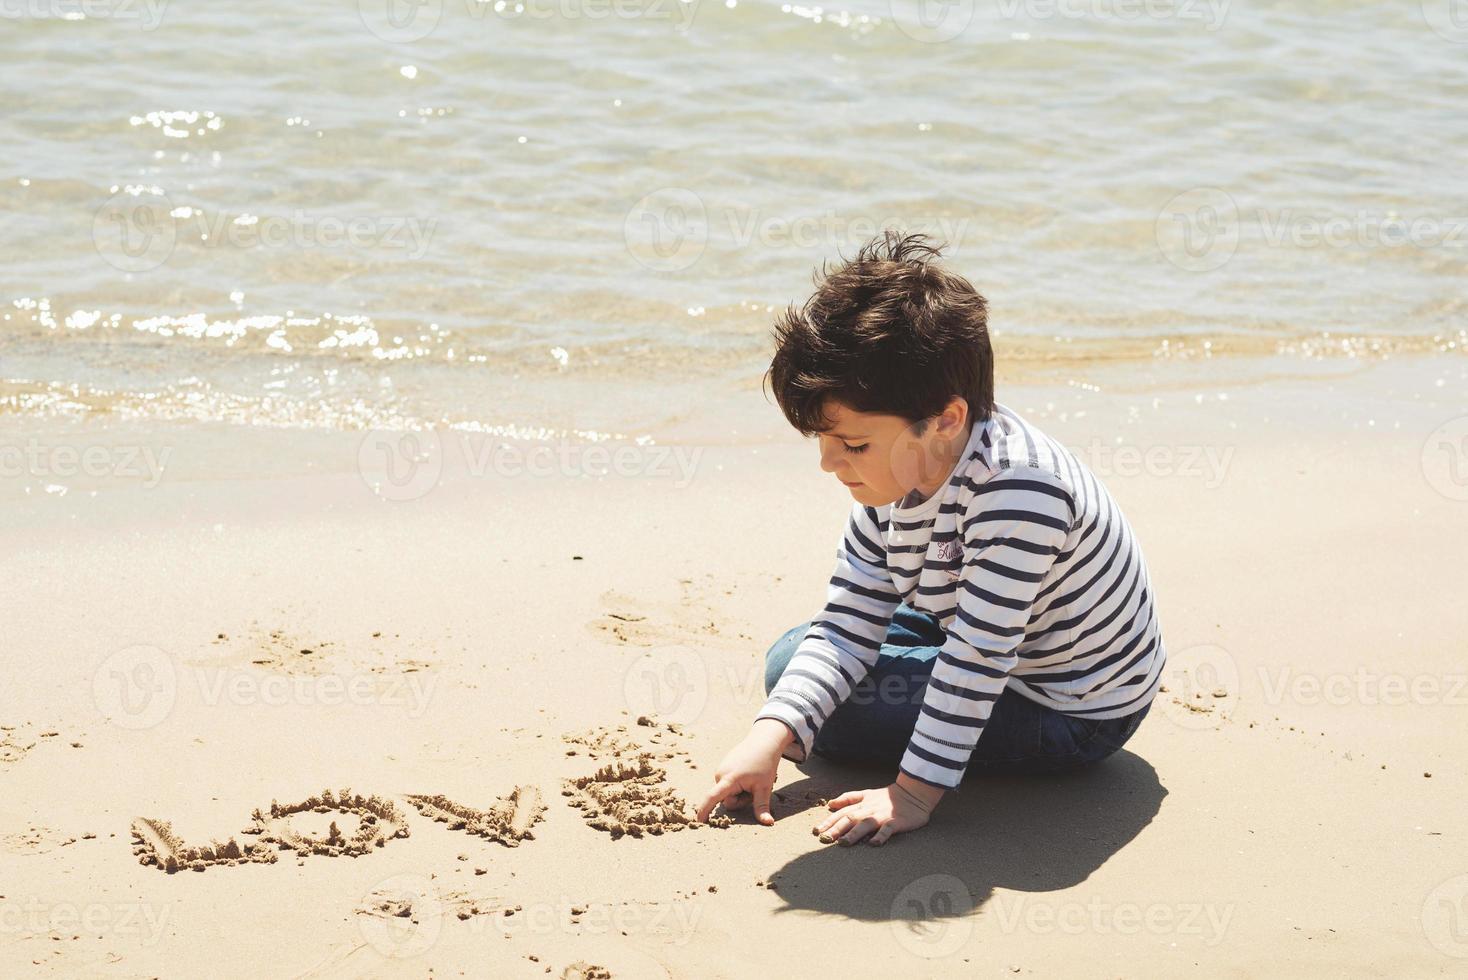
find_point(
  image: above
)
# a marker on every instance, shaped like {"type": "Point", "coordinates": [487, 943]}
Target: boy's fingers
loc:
{"type": "Point", "coordinates": [883, 832]}
{"type": "Point", "coordinates": [833, 828]}
{"type": "Point", "coordinates": [711, 800]}
{"type": "Point", "coordinates": [863, 827]}
{"type": "Point", "coordinates": [845, 799]}
{"type": "Point", "coordinates": [762, 805]}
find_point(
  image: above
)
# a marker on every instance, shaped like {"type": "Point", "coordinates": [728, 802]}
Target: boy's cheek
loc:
{"type": "Point", "coordinates": [908, 465]}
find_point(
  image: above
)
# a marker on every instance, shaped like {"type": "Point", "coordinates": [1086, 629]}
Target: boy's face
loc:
{"type": "Point", "coordinates": [880, 458]}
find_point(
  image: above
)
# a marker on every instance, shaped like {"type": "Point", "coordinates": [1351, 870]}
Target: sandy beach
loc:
{"type": "Point", "coordinates": [259, 625]}
{"type": "Point", "coordinates": [393, 525]}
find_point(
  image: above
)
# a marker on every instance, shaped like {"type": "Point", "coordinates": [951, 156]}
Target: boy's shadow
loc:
{"type": "Point", "coordinates": [1024, 833]}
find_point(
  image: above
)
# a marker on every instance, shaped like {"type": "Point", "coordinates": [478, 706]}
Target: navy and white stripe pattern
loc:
{"type": "Point", "coordinates": [1032, 570]}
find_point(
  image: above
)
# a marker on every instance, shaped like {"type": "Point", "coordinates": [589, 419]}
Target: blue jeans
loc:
{"type": "Point", "coordinates": [873, 725]}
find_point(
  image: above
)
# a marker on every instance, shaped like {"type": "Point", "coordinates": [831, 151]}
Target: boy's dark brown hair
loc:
{"type": "Point", "coordinates": [889, 331]}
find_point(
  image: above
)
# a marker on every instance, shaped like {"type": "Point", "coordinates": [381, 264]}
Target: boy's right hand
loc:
{"type": "Point", "coordinates": [748, 772]}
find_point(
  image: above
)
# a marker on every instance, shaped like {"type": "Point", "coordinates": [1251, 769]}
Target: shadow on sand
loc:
{"type": "Point", "coordinates": [1030, 834]}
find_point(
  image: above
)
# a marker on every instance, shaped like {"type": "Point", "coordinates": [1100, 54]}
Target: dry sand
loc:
{"type": "Point", "coordinates": [260, 626]}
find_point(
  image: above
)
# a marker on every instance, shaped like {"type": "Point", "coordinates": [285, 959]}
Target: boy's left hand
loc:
{"type": "Point", "coordinates": [893, 809]}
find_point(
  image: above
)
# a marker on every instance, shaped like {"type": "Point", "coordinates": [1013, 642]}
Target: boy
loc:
{"type": "Point", "coordinates": [990, 610]}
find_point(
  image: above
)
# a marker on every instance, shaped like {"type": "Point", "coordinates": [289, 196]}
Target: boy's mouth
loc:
{"type": "Point", "coordinates": [849, 484]}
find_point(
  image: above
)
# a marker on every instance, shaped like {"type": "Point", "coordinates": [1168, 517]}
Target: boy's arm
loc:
{"type": "Point", "coordinates": [841, 645]}
{"type": "Point", "coordinates": [1013, 531]}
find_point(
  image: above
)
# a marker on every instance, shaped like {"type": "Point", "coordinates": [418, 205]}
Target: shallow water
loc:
{"type": "Point", "coordinates": [385, 214]}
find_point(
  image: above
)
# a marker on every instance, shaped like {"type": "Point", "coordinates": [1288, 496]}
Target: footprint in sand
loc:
{"type": "Point", "coordinates": [508, 820]}
{"type": "Point", "coordinates": [631, 621]}
{"type": "Point", "coordinates": [275, 650]}
{"type": "Point", "coordinates": [156, 845]}
{"type": "Point", "coordinates": [606, 742]}
{"type": "Point", "coordinates": [291, 654]}
{"type": "Point", "coordinates": [378, 821]}
{"type": "Point", "coordinates": [17, 741]}
{"type": "Point", "coordinates": [628, 621]}
{"type": "Point", "coordinates": [632, 797]}
{"type": "Point", "coordinates": [34, 840]}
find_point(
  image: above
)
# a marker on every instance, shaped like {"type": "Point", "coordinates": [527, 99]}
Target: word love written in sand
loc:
{"type": "Point", "coordinates": [626, 797]}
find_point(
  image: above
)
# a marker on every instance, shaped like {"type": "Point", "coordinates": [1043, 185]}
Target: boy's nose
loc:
{"type": "Point", "coordinates": [828, 459]}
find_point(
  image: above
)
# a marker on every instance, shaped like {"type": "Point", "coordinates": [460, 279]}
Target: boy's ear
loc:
{"type": "Point", "coordinates": [954, 414]}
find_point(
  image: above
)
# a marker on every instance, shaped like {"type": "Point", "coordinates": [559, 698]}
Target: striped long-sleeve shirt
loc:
{"type": "Point", "coordinates": [1035, 576]}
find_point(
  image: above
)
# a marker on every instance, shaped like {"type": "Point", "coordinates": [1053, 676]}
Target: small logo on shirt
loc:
{"type": "Point", "coordinates": [948, 550]}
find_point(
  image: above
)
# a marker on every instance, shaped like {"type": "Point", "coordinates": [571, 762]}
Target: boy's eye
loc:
{"type": "Point", "coordinates": [855, 449]}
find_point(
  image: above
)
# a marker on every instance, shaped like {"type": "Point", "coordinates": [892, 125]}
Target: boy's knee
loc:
{"type": "Point", "coordinates": [777, 658]}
